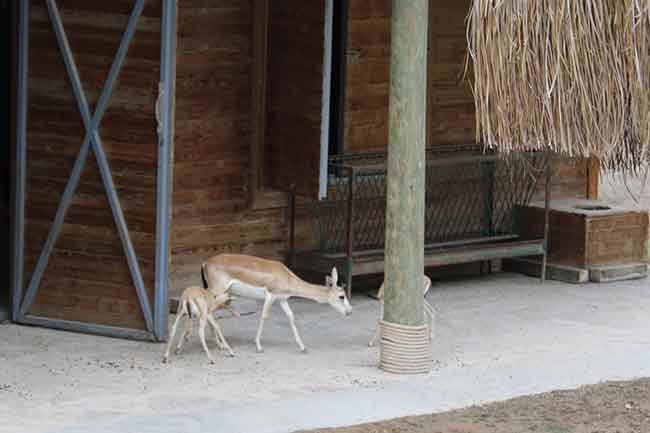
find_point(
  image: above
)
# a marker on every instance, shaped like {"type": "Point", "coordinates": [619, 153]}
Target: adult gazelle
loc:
{"type": "Point", "coordinates": [269, 281]}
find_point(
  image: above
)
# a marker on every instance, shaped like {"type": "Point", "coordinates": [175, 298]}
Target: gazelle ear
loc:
{"type": "Point", "coordinates": [335, 276]}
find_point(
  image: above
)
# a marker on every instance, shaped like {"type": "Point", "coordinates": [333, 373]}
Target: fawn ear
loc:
{"type": "Point", "coordinates": [335, 276]}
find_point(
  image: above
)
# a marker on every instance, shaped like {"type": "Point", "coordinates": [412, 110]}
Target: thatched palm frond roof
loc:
{"type": "Point", "coordinates": [571, 76]}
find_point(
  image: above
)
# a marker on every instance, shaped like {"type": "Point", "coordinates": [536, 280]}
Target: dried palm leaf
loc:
{"type": "Point", "coordinates": [567, 76]}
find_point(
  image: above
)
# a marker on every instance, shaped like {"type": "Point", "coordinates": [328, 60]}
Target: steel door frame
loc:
{"type": "Point", "coordinates": [156, 316]}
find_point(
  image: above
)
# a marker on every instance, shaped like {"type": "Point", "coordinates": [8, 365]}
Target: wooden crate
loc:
{"type": "Point", "coordinates": [587, 234]}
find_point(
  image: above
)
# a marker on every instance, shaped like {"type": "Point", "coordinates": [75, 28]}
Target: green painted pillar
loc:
{"type": "Point", "coordinates": [406, 163]}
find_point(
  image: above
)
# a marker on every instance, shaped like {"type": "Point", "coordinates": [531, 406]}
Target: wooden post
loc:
{"type": "Point", "coordinates": [593, 178]}
{"type": "Point", "coordinates": [260, 52]}
{"type": "Point", "coordinates": [406, 164]}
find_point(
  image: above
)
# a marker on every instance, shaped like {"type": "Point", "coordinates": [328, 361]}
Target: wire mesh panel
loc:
{"type": "Point", "coordinates": [468, 195]}
{"type": "Point", "coordinates": [514, 183]}
{"type": "Point", "coordinates": [455, 201]}
{"type": "Point", "coordinates": [329, 215]}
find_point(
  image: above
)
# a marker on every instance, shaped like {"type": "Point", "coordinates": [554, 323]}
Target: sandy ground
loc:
{"type": "Point", "coordinates": [497, 336]}
{"type": "Point", "coordinates": [622, 407]}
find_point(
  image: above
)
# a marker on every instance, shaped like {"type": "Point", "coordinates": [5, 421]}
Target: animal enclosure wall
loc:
{"type": "Point", "coordinates": [214, 200]}
{"type": "Point", "coordinates": [212, 141]}
{"type": "Point", "coordinates": [86, 278]}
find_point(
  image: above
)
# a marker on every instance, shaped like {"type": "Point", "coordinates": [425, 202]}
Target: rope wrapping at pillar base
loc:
{"type": "Point", "coordinates": [405, 349]}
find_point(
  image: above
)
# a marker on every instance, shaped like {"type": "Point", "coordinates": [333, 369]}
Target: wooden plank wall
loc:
{"type": "Point", "coordinates": [568, 179]}
{"type": "Point", "coordinates": [213, 133]}
{"type": "Point", "coordinates": [368, 71]}
{"type": "Point", "coordinates": [450, 103]}
{"type": "Point", "coordinates": [87, 278]}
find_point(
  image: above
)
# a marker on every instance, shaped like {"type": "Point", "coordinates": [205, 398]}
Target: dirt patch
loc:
{"type": "Point", "coordinates": [613, 407]}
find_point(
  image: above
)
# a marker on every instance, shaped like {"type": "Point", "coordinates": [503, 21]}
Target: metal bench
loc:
{"type": "Point", "coordinates": [471, 207]}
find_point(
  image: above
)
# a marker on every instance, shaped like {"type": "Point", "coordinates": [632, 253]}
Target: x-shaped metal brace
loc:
{"type": "Point", "coordinates": [91, 139]}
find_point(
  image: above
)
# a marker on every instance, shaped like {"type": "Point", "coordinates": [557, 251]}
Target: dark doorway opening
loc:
{"type": "Point", "coordinates": [6, 15]}
{"type": "Point", "coordinates": [339, 66]}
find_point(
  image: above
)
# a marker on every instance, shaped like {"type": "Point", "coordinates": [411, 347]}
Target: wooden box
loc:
{"type": "Point", "coordinates": [588, 234]}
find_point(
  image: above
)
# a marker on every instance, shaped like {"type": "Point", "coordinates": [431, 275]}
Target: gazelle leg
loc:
{"type": "Point", "coordinates": [287, 310]}
{"type": "Point", "coordinates": [171, 336]}
{"type": "Point", "coordinates": [185, 336]}
{"type": "Point", "coordinates": [217, 339]}
{"type": "Point", "coordinates": [266, 311]}
{"type": "Point", "coordinates": [219, 335]}
{"type": "Point", "coordinates": [375, 337]}
{"type": "Point", "coordinates": [202, 324]}
{"type": "Point", "coordinates": [188, 329]}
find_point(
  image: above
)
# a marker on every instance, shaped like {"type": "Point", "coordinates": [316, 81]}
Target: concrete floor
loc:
{"type": "Point", "coordinates": [498, 336]}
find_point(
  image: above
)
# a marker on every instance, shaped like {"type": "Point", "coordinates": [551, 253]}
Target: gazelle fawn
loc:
{"type": "Point", "coordinates": [197, 302]}
{"type": "Point", "coordinates": [429, 310]}
{"type": "Point", "coordinates": [269, 281]}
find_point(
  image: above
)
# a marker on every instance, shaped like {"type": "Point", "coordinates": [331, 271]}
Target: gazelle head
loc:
{"type": "Point", "coordinates": [336, 296]}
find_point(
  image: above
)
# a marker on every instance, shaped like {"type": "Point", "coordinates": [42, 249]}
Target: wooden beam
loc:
{"type": "Point", "coordinates": [260, 50]}
{"type": "Point", "coordinates": [593, 178]}
{"type": "Point", "coordinates": [20, 95]}
{"type": "Point", "coordinates": [406, 168]}
{"type": "Point", "coordinates": [164, 186]}
{"type": "Point", "coordinates": [259, 196]}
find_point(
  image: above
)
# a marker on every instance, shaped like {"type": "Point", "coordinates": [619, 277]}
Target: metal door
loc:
{"type": "Point", "coordinates": [79, 264]}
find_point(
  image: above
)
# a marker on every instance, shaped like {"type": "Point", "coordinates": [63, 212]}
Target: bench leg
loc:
{"type": "Point", "coordinates": [348, 281]}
